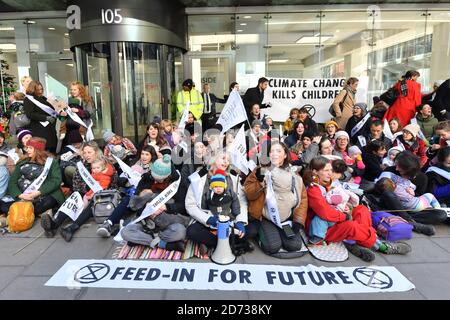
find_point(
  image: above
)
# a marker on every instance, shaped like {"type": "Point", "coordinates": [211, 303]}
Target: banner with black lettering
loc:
{"type": "Point", "coordinates": [233, 112]}
{"type": "Point", "coordinates": [135, 274]}
{"type": "Point", "coordinates": [287, 93]}
{"type": "Point", "coordinates": [87, 178]}
{"type": "Point", "coordinates": [73, 206]}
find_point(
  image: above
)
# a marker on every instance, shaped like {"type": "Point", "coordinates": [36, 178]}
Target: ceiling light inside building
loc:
{"type": "Point", "coordinates": [6, 29]}
{"type": "Point", "coordinates": [30, 22]}
{"type": "Point", "coordinates": [51, 28]}
{"type": "Point", "coordinates": [66, 34]}
{"type": "Point", "coordinates": [313, 39]}
{"type": "Point", "coordinates": [240, 30]}
{"type": "Point", "coordinates": [69, 64]}
{"type": "Point", "coordinates": [247, 17]}
{"type": "Point", "coordinates": [177, 63]}
{"type": "Point", "coordinates": [243, 24]}
{"type": "Point", "coordinates": [278, 60]}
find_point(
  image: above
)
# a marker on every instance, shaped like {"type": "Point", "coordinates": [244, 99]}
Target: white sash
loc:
{"type": "Point", "coordinates": [359, 125]}
{"type": "Point", "coordinates": [13, 155]}
{"type": "Point", "coordinates": [155, 204]}
{"type": "Point", "coordinates": [400, 144]}
{"type": "Point", "coordinates": [132, 176]}
{"type": "Point", "coordinates": [440, 172]}
{"type": "Point", "coordinates": [77, 119]}
{"type": "Point", "coordinates": [45, 108]}
{"type": "Point", "coordinates": [420, 133]}
{"type": "Point", "coordinates": [37, 183]}
{"type": "Point", "coordinates": [73, 206]}
{"type": "Point", "coordinates": [71, 147]}
{"type": "Point", "coordinates": [195, 184]}
{"type": "Point", "coordinates": [86, 176]}
{"type": "Point", "coordinates": [271, 203]}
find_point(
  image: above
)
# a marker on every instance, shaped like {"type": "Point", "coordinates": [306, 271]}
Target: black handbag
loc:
{"type": "Point", "coordinates": [341, 105]}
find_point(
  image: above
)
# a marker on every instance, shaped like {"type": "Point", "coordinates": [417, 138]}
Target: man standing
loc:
{"type": "Point", "coordinates": [191, 95]}
{"type": "Point", "coordinates": [209, 110]}
{"type": "Point", "coordinates": [256, 95]}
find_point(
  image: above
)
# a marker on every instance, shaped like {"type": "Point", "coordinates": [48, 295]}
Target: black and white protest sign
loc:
{"type": "Point", "coordinates": [237, 277]}
{"type": "Point", "coordinates": [287, 93]}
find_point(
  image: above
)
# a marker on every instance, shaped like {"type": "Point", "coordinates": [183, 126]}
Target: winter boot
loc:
{"type": "Point", "coordinates": [361, 252]}
{"type": "Point", "coordinates": [49, 225]}
{"type": "Point", "coordinates": [68, 232]}
{"type": "Point", "coordinates": [425, 229]}
{"type": "Point", "coordinates": [175, 246]}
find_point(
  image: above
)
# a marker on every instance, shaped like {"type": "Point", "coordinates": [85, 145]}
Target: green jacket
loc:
{"type": "Point", "coordinates": [427, 125]}
{"type": "Point", "coordinates": [50, 187]}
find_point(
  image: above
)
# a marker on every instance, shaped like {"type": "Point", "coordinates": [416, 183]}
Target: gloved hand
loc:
{"type": "Point", "coordinates": [296, 227]}
{"type": "Point", "coordinates": [50, 119]}
{"type": "Point", "coordinates": [259, 176]}
{"type": "Point", "coordinates": [240, 226]}
{"type": "Point", "coordinates": [212, 221]}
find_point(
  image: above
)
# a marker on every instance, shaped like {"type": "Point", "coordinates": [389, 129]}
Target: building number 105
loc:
{"type": "Point", "coordinates": [110, 16]}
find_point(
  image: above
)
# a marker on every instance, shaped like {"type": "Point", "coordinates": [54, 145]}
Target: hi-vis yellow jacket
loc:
{"type": "Point", "coordinates": [195, 103]}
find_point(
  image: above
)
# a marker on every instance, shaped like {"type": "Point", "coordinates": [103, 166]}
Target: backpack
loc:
{"type": "Point", "coordinates": [104, 203]}
{"type": "Point", "coordinates": [390, 227]}
{"type": "Point", "coordinates": [341, 105]}
{"type": "Point", "coordinates": [20, 216]}
{"type": "Point", "coordinates": [20, 119]}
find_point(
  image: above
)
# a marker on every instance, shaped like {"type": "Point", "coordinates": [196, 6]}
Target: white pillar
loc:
{"type": "Point", "coordinates": [440, 52]}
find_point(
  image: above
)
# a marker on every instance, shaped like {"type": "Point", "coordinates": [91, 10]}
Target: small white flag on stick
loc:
{"type": "Point", "coordinates": [233, 112]}
{"type": "Point", "coordinates": [238, 151]}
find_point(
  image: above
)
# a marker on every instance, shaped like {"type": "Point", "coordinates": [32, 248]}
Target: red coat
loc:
{"type": "Point", "coordinates": [103, 178]}
{"type": "Point", "coordinates": [405, 107]}
{"type": "Point", "coordinates": [418, 148]}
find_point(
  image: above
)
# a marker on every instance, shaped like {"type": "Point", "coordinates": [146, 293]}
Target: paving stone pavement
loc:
{"type": "Point", "coordinates": [26, 263]}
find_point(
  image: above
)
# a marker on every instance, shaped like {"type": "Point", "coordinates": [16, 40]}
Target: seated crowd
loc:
{"type": "Point", "coordinates": [322, 183]}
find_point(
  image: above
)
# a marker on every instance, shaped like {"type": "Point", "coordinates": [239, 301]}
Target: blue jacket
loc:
{"type": "Point", "coordinates": [4, 179]}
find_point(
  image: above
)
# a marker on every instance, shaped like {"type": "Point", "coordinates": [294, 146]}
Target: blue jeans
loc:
{"type": "Point", "coordinates": [319, 227]}
{"type": "Point", "coordinates": [120, 211]}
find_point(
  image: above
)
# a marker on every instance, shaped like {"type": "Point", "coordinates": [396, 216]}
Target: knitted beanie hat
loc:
{"type": "Point", "coordinates": [341, 134]}
{"type": "Point", "coordinates": [413, 128]}
{"type": "Point", "coordinates": [108, 135]}
{"type": "Point", "coordinates": [218, 179]}
{"type": "Point", "coordinates": [161, 168]}
{"type": "Point", "coordinates": [23, 133]}
{"type": "Point", "coordinates": [354, 150]}
{"type": "Point", "coordinates": [362, 106]}
{"type": "Point", "coordinates": [331, 123]}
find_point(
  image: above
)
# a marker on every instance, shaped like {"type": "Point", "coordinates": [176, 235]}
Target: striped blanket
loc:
{"type": "Point", "coordinates": [140, 252]}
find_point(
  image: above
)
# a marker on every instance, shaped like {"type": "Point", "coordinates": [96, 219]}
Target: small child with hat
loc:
{"type": "Point", "coordinates": [220, 200]}
{"type": "Point", "coordinates": [118, 146]}
{"type": "Point", "coordinates": [356, 163]}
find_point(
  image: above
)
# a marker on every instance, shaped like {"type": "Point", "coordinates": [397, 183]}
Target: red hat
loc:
{"type": "Point", "coordinates": [38, 145]}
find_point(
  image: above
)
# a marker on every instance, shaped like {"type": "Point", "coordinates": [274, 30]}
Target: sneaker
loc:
{"type": "Point", "coordinates": [397, 248]}
{"type": "Point", "coordinates": [48, 225]}
{"type": "Point", "coordinates": [315, 240]}
{"type": "Point", "coordinates": [361, 252]}
{"type": "Point", "coordinates": [175, 246]}
{"type": "Point", "coordinates": [425, 229]}
{"type": "Point", "coordinates": [104, 230]}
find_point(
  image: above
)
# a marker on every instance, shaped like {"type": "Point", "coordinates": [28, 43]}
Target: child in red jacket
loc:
{"type": "Point", "coordinates": [102, 172]}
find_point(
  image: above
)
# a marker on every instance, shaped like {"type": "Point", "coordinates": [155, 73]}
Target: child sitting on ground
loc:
{"type": "Point", "coordinates": [119, 146]}
{"type": "Point", "coordinates": [355, 163]}
{"type": "Point", "coordinates": [404, 190]}
{"type": "Point", "coordinates": [102, 173]}
{"type": "Point", "coordinates": [342, 200]}
{"type": "Point", "coordinates": [388, 161]}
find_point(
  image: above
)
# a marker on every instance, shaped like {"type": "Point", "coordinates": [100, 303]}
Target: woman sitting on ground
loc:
{"type": "Point", "coordinates": [45, 196]}
{"type": "Point", "coordinates": [356, 225]}
{"type": "Point", "coordinates": [90, 153]}
{"type": "Point", "coordinates": [289, 201]}
{"type": "Point", "coordinates": [439, 177]}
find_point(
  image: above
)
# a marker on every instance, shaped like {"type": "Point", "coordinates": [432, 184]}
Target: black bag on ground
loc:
{"type": "Point", "coordinates": [103, 204]}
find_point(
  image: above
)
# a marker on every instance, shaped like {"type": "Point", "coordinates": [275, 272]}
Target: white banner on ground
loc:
{"type": "Point", "coordinates": [73, 206]}
{"type": "Point", "coordinates": [287, 93]}
{"type": "Point", "coordinates": [238, 151]}
{"type": "Point", "coordinates": [37, 183]}
{"type": "Point", "coordinates": [132, 176]}
{"type": "Point", "coordinates": [134, 274]}
{"type": "Point", "coordinates": [233, 112]}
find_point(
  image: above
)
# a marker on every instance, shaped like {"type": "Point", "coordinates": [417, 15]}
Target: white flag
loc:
{"type": "Point", "coordinates": [233, 112]}
{"type": "Point", "coordinates": [184, 117]}
{"type": "Point", "coordinates": [238, 151]}
{"type": "Point", "coordinates": [133, 176]}
{"type": "Point", "coordinates": [387, 130]}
